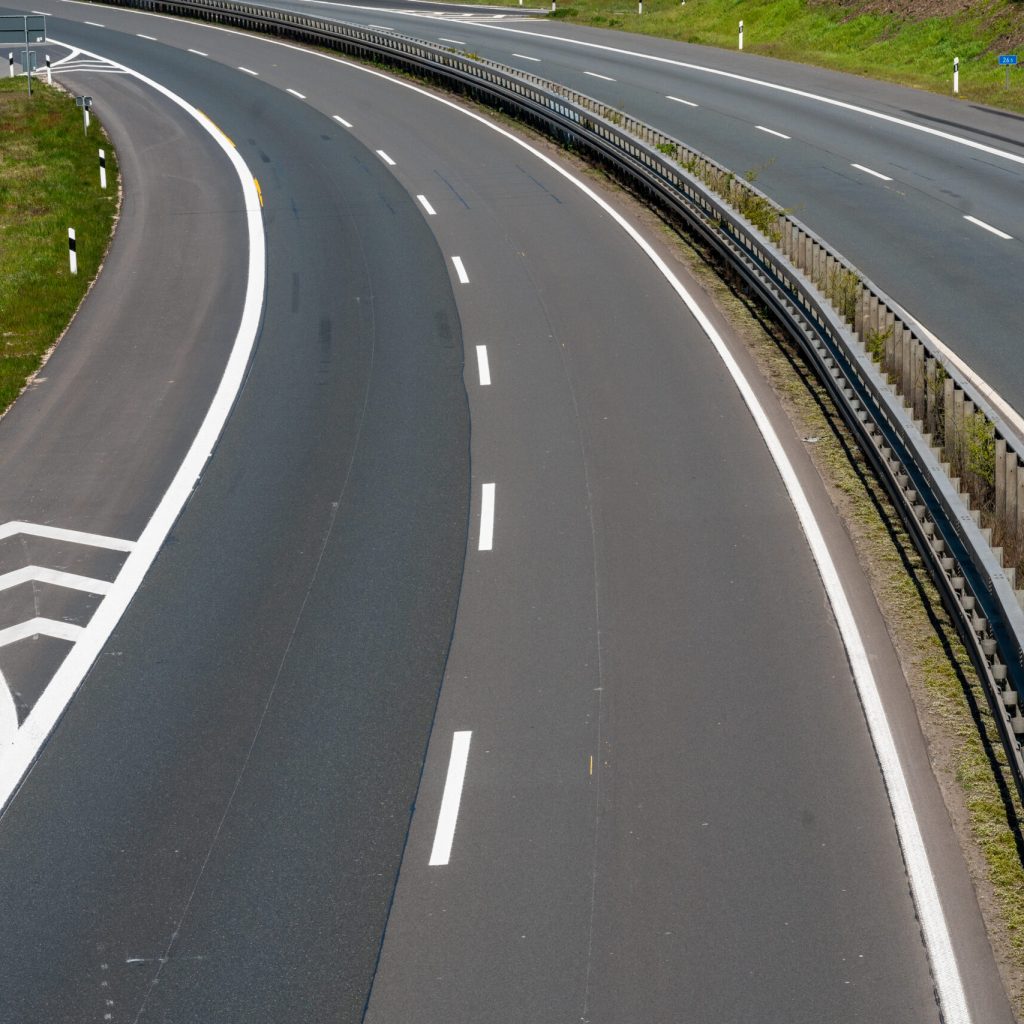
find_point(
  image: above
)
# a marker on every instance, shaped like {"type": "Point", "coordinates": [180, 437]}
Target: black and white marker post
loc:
{"type": "Point", "coordinates": [103, 169]}
{"type": "Point", "coordinates": [956, 76]}
{"type": "Point", "coordinates": [72, 254]}
{"type": "Point", "coordinates": [741, 34]}
{"type": "Point", "coordinates": [49, 71]}
{"type": "Point", "coordinates": [10, 64]}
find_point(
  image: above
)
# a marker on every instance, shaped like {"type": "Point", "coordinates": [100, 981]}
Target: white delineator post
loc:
{"type": "Point", "coordinates": [10, 63]}
{"type": "Point", "coordinates": [956, 76]}
{"type": "Point", "coordinates": [640, 7]}
{"type": "Point", "coordinates": [49, 71]}
{"type": "Point", "coordinates": [72, 254]}
{"type": "Point", "coordinates": [741, 33]}
{"type": "Point", "coordinates": [103, 169]}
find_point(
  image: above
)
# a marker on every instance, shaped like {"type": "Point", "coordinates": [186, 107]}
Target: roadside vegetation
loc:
{"type": "Point", "coordinates": [49, 181]}
{"type": "Point", "coordinates": [910, 42]}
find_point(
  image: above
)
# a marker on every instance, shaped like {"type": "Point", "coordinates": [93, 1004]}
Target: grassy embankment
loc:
{"type": "Point", "coordinates": [857, 37]}
{"type": "Point", "coordinates": [49, 181]}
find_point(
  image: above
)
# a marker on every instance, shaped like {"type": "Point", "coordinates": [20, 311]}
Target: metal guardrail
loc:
{"type": "Point", "coordinates": [915, 415]}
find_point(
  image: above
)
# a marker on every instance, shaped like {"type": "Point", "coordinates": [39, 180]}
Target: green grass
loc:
{"type": "Point", "coordinates": [915, 52]}
{"type": "Point", "coordinates": [49, 181]}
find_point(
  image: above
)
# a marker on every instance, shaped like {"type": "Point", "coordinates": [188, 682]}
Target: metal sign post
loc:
{"type": "Point", "coordinates": [1007, 60]}
{"type": "Point", "coordinates": [23, 30]}
{"type": "Point", "coordinates": [85, 102]}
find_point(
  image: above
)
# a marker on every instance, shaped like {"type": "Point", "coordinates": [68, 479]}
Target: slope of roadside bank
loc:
{"type": "Point", "coordinates": [49, 182]}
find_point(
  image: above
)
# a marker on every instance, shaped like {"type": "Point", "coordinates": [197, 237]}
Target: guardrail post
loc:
{"type": "Point", "coordinates": [860, 312]}
{"type": "Point", "coordinates": [919, 381]}
{"type": "Point", "coordinates": [1000, 509]}
{"type": "Point", "coordinates": [906, 365]}
{"type": "Point", "coordinates": [888, 328]}
{"type": "Point", "coordinates": [949, 427]}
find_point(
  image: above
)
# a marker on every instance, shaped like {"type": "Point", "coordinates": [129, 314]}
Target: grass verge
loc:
{"type": "Point", "coordinates": [860, 37]}
{"type": "Point", "coordinates": [49, 181]}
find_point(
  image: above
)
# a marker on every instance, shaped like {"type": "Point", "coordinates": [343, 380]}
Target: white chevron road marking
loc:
{"type": "Point", "coordinates": [40, 627]}
{"type": "Point", "coordinates": [94, 540]}
{"type": "Point", "coordinates": [39, 574]}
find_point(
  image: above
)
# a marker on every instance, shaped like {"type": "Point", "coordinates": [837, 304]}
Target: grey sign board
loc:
{"type": "Point", "coordinates": [15, 29]}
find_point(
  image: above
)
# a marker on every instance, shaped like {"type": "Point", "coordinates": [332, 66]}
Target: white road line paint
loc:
{"type": "Point", "coordinates": [448, 816]}
{"type": "Point", "coordinates": [770, 131]}
{"type": "Point", "coordinates": [385, 158]}
{"type": "Point", "coordinates": [923, 887]}
{"type": "Point", "coordinates": [523, 56]}
{"type": "Point", "coordinates": [46, 14]}
{"type": "Point", "coordinates": [248, 71]}
{"type": "Point", "coordinates": [425, 203]}
{"type": "Point", "coordinates": [95, 24]}
{"type": "Point", "coordinates": [460, 270]}
{"type": "Point", "coordinates": [987, 227]}
{"type": "Point", "coordinates": [761, 83]}
{"type": "Point", "coordinates": [486, 518]}
{"type": "Point", "coordinates": [94, 540]}
{"type": "Point", "coordinates": [342, 121]}
{"type": "Point", "coordinates": [676, 99]}
{"type": "Point", "coordinates": [594, 74]}
{"type": "Point", "coordinates": [482, 364]}
{"type": "Point", "coordinates": [874, 174]}
{"type": "Point", "coordinates": [142, 35]}
{"type": "Point", "coordinates": [457, 42]}
{"type": "Point", "coordinates": [295, 92]}
{"type": "Point", "coordinates": [18, 756]}
{"type": "Point", "coordinates": [40, 627]}
{"type": "Point", "coordinates": [198, 53]}
{"type": "Point", "coordinates": [56, 577]}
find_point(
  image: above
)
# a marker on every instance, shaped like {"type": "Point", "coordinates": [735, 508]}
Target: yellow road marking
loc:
{"type": "Point", "coordinates": [259, 191]}
{"type": "Point", "coordinates": [217, 126]}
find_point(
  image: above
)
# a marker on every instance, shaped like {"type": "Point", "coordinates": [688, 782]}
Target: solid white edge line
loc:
{"type": "Point", "coordinates": [342, 121]}
{"type": "Point", "coordinates": [676, 99]}
{"type": "Point", "coordinates": [988, 227]}
{"type": "Point", "coordinates": [770, 131]}
{"type": "Point", "coordinates": [924, 891]}
{"type": "Point", "coordinates": [460, 270]}
{"type": "Point", "coordinates": [19, 755]}
{"type": "Point", "coordinates": [458, 42]}
{"type": "Point", "coordinates": [874, 174]}
{"type": "Point", "coordinates": [482, 364]}
{"type": "Point", "coordinates": [425, 203]}
{"type": "Point", "coordinates": [295, 92]}
{"type": "Point", "coordinates": [448, 816]}
{"type": "Point", "coordinates": [385, 158]}
{"type": "Point", "coordinates": [594, 74]}
{"type": "Point", "coordinates": [142, 35]}
{"type": "Point", "coordinates": [523, 56]}
{"type": "Point", "coordinates": [95, 24]}
{"type": "Point", "coordinates": [486, 518]}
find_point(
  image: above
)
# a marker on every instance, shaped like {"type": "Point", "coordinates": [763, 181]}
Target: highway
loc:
{"type": "Point", "coordinates": [490, 506]}
{"type": "Point", "coordinates": [918, 190]}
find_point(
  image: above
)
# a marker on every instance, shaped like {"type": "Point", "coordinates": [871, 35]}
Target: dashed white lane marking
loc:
{"type": "Point", "coordinates": [198, 53]}
{"type": "Point", "coordinates": [448, 816]}
{"type": "Point", "coordinates": [56, 577]}
{"type": "Point", "coordinates": [482, 364]}
{"type": "Point", "coordinates": [95, 24]}
{"type": "Point", "coordinates": [770, 131]}
{"type": "Point", "coordinates": [248, 71]}
{"type": "Point", "coordinates": [874, 174]}
{"type": "Point", "coordinates": [457, 42]}
{"type": "Point", "coordinates": [988, 227]}
{"type": "Point", "coordinates": [486, 518]}
{"type": "Point", "coordinates": [460, 270]}
{"type": "Point", "coordinates": [40, 627]}
{"type": "Point", "coordinates": [523, 56]}
{"type": "Point", "coordinates": [342, 121]}
{"type": "Point", "coordinates": [676, 99]}
{"type": "Point", "coordinates": [142, 35]}
{"type": "Point", "coordinates": [46, 14]}
{"type": "Point", "coordinates": [385, 158]}
{"type": "Point", "coordinates": [594, 74]}
{"type": "Point", "coordinates": [295, 92]}
{"type": "Point", "coordinates": [94, 540]}
{"type": "Point", "coordinates": [425, 203]}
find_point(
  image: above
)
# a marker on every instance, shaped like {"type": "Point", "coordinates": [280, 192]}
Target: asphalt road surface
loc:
{"type": "Point", "coordinates": [671, 808]}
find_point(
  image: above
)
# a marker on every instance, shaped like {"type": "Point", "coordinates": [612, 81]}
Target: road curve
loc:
{"type": "Point", "coordinates": [240, 769]}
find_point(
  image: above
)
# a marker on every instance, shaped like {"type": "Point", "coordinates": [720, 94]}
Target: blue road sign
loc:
{"type": "Point", "coordinates": [1007, 58]}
